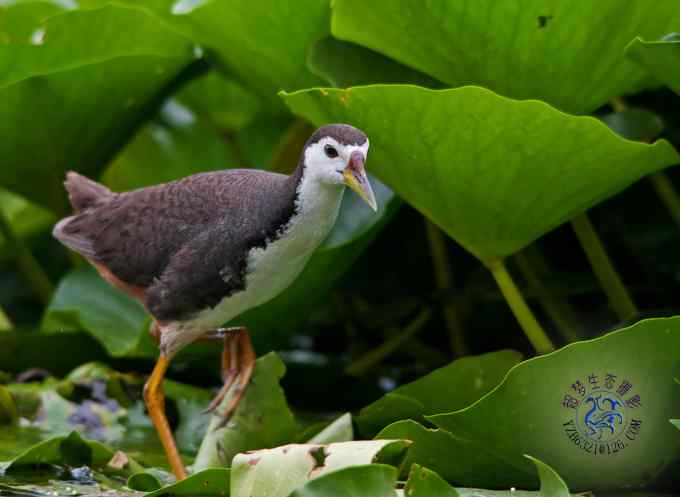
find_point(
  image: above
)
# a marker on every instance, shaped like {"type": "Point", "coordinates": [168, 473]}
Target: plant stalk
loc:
{"type": "Point", "coordinates": [667, 193]}
{"type": "Point", "coordinates": [28, 265]}
{"type": "Point", "coordinates": [532, 329]}
{"type": "Point", "coordinates": [556, 308]}
{"type": "Point", "coordinates": [603, 268]}
{"type": "Point", "coordinates": [5, 322]}
{"type": "Point", "coordinates": [375, 356]}
{"type": "Point", "coordinates": [444, 279]}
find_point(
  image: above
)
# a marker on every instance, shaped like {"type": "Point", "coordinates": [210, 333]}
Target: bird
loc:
{"type": "Point", "coordinates": [199, 251]}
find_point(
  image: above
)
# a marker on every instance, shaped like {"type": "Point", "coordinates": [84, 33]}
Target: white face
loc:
{"type": "Point", "coordinates": [327, 159]}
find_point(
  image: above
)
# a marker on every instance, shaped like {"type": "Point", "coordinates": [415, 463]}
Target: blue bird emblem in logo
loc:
{"type": "Point", "coordinates": [603, 418]}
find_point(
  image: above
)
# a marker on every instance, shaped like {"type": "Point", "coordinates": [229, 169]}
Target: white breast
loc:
{"type": "Point", "coordinates": [271, 269]}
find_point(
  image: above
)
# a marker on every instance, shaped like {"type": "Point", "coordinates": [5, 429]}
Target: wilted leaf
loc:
{"type": "Point", "coordinates": [259, 473]}
{"type": "Point", "coordinates": [478, 176]}
{"type": "Point", "coordinates": [660, 58]}
{"type": "Point", "coordinates": [597, 410]}
{"type": "Point", "coordinates": [371, 480]}
{"type": "Point", "coordinates": [92, 76]}
{"type": "Point", "coordinates": [263, 418]}
{"type": "Point", "coordinates": [566, 52]}
{"type": "Point", "coordinates": [446, 389]}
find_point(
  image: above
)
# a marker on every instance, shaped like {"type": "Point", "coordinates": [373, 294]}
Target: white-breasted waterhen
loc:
{"type": "Point", "coordinates": [200, 251]}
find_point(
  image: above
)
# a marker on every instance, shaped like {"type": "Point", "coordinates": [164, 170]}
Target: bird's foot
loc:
{"type": "Point", "coordinates": [238, 363]}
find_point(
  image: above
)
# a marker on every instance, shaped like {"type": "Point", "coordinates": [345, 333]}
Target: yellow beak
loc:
{"type": "Point", "coordinates": [356, 179]}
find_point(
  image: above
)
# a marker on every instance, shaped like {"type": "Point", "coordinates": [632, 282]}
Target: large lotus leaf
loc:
{"type": "Point", "coordinates": [71, 100]}
{"type": "Point", "coordinates": [596, 411]}
{"type": "Point", "coordinates": [345, 64]}
{"type": "Point", "coordinates": [494, 173]}
{"type": "Point", "coordinates": [264, 44]}
{"type": "Point", "coordinates": [18, 20]}
{"type": "Point", "coordinates": [660, 58]}
{"type": "Point", "coordinates": [449, 388]}
{"type": "Point", "coordinates": [173, 146]}
{"type": "Point", "coordinates": [261, 473]}
{"type": "Point", "coordinates": [263, 418]}
{"type": "Point", "coordinates": [566, 52]}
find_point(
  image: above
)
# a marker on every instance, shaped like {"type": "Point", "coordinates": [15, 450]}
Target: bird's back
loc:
{"type": "Point", "coordinates": [135, 234]}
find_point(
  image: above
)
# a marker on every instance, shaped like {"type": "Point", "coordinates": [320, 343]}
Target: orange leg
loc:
{"type": "Point", "coordinates": [155, 403]}
{"type": "Point", "coordinates": [229, 371]}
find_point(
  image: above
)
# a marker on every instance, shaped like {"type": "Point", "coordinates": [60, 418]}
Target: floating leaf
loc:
{"type": "Point", "coordinates": [423, 482]}
{"type": "Point", "coordinates": [660, 58]}
{"type": "Point", "coordinates": [214, 482]}
{"type": "Point", "coordinates": [115, 61]}
{"type": "Point", "coordinates": [263, 418]}
{"type": "Point", "coordinates": [478, 176]}
{"type": "Point", "coordinates": [566, 52]}
{"type": "Point", "coordinates": [258, 473]}
{"type": "Point", "coordinates": [446, 389]}
{"type": "Point", "coordinates": [70, 450]}
{"type": "Point", "coordinates": [597, 410]}
{"type": "Point", "coordinates": [371, 480]}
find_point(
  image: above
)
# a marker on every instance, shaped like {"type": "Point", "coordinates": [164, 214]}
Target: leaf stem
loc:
{"type": "Point", "coordinates": [5, 322]}
{"type": "Point", "coordinates": [667, 193]}
{"type": "Point", "coordinates": [375, 356]}
{"type": "Point", "coordinates": [536, 335]}
{"type": "Point", "coordinates": [28, 265]}
{"type": "Point", "coordinates": [603, 268]}
{"type": "Point", "coordinates": [443, 277]}
{"type": "Point", "coordinates": [558, 309]}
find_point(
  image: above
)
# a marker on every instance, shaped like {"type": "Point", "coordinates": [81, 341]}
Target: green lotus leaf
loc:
{"type": "Point", "coordinates": [91, 76]}
{"type": "Point", "coordinates": [260, 473]}
{"type": "Point", "coordinates": [635, 124]}
{"type": "Point", "coordinates": [340, 430]}
{"type": "Point", "coordinates": [565, 52]}
{"type": "Point", "coordinates": [264, 44]}
{"type": "Point", "coordinates": [84, 301]}
{"type": "Point", "coordinates": [446, 389]}
{"type": "Point", "coordinates": [493, 173]}
{"type": "Point", "coordinates": [597, 410]}
{"type": "Point", "coordinates": [345, 64]}
{"type": "Point", "coordinates": [660, 58]}
{"type": "Point", "coordinates": [369, 480]}
{"type": "Point", "coordinates": [263, 418]}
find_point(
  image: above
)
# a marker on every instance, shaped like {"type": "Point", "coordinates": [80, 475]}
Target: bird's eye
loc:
{"type": "Point", "coordinates": [331, 152]}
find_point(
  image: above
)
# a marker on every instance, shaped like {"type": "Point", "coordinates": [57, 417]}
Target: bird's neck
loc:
{"type": "Point", "coordinates": [317, 203]}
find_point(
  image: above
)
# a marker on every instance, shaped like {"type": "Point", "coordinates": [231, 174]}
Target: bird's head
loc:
{"type": "Point", "coordinates": [335, 154]}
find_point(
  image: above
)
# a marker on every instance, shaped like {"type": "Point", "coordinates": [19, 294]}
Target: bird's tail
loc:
{"type": "Point", "coordinates": [84, 193]}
